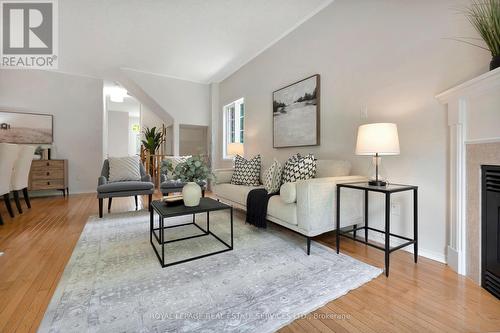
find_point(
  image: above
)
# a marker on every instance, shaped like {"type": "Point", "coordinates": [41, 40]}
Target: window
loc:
{"type": "Point", "coordinates": [234, 124]}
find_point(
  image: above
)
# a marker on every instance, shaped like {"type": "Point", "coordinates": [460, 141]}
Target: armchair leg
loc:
{"type": "Point", "coordinates": [150, 198]}
{"type": "Point", "coordinates": [203, 193]}
{"type": "Point", "coordinates": [100, 207]}
{"type": "Point", "coordinates": [1, 220]}
{"type": "Point", "coordinates": [26, 197]}
{"type": "Point", "coordinates": [18, 203]}
{"type": "Point", "coordinates": [136, 205]}
{"type": "Point", "coordinates": [109, 204]}
{"type": "Point", "coordinates": [308, 245]}
{"type": "Point", "coordinates": [6, 198]}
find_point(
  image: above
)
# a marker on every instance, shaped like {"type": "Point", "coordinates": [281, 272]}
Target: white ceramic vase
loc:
{"type": "Point", "coordinates": [191, 193]}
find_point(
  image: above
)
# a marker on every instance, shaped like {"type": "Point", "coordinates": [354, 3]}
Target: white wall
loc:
{"type": "Point", "coordinates": [77, 105]}
{"type": "Point", "coordinates": [390, 56]}
{"type": "Point", "coordinates": [132, 136]}
{"type": "Point", "coordinates": [484, 119]}
{"type": "Point", "coordinates": [118, 133]}
{"type": "Point", "coordinates": [187, 102]}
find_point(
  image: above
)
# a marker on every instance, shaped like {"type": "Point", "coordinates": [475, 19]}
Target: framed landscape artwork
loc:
{"type": "Point", "coordinates": [17, 127]}
{"type": "Point", "coordinates": [296, 114]}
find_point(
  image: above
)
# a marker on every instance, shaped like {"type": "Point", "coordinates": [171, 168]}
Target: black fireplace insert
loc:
{"type": "Point", "coordinates": [490, 235]}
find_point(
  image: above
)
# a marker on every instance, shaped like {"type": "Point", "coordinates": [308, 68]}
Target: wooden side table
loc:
{"type": "Point", "coordinates": [387, 190]}
{"type": "Point", "coordinates": [49, 175]}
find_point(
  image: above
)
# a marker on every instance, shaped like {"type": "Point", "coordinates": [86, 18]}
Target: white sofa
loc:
{"type": "Point", "coordinates": [307, 206]}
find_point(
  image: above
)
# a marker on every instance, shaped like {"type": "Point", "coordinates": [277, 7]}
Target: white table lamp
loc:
{"type": "Point", "coordinates": [377, 140]}
{"type": "Point", "coordinates": [234, 149]}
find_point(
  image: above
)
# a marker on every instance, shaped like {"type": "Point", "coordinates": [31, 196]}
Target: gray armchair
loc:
{"type": "Point", "coordinates": [171, 186]}
{"type": "Point", "coordinates": [110, 190]}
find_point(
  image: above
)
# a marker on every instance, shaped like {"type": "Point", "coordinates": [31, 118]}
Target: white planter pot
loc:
{"type": "Point", "coordinates": [191, 193]}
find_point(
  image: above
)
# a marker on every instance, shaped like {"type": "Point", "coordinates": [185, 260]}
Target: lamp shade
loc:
{"type": "Point", "coordinates": [235, 148]}
{"type": "Point", "coordinates": [378, 138]}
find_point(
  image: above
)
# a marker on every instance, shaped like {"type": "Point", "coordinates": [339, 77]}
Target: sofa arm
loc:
{"type": "Point", "coordinates": [223, 175]}
{"type": "Point", "coordinates": [101, 180]}
{"type": "Point", "coordinates": [316, 204]}
{"type": "Point", "coordinates": [163, 178]}
{"type": "Point", "coordinates": [146, 178]}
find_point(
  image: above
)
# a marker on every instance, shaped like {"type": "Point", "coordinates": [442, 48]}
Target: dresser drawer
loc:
{"type": "Point", "coordinates": [48, 184]}
{"type": "Point", "coordinates": [46, 174]}
{"type": "Point", "coordinates": [47, 165]}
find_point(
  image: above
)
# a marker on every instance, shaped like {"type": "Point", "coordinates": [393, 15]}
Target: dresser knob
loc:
{"type": "Point", "coordinates": [48, 173]}
{"type": "Point", "coordinates": [48, 163]}
{"type": "Point", "coordinates": [48, 183]}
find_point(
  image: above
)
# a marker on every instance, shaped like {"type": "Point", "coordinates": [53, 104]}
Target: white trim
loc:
{"type": "Point", "coordinates": [165, 76]}
{"type": "Point", "coordinates": [478, 141]}
{"type": "Point", "coordinates": [457, 103]}
{"type": "Point", "coordinates": [452, 256]}
{"type": "Point", "coordinates": [283, 35]}
{"type": "Point", "coordinates": [486, 80]}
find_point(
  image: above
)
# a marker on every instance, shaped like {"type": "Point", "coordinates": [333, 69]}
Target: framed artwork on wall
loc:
{"type": "Point", "coordinates": [29, 128]}
{"type": "Point", "coordinates": [296, 114]}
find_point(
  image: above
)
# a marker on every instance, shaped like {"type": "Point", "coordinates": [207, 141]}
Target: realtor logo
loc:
{"type": "Point", "coordinates": [28, 34]}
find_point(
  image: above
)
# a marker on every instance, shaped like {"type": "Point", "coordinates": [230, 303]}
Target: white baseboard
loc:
{"type": "Point", "coordinates": [452, 258]}
{"type": "Point", "coordinates": [433, 255]}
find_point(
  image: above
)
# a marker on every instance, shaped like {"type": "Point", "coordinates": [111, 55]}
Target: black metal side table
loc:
{"type": "Point", "coordinates": [387, 190]}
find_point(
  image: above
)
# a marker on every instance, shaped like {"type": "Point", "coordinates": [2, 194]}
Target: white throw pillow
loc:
{"type": "Point", "coordinates": [272, 177]}
{"type": "Point", "coordinates": [124, 168]}
{"type": "Point", "coordinates": [288, 192]}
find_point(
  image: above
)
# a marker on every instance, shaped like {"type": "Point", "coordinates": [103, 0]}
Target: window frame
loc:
{"type": "Point", "coordinates": [232, 125]}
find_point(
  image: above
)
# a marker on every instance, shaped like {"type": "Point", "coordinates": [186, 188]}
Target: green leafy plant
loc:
{"type": "Point", "coordinates": [153, 139]}
{"type": "Point", "coordinates": [194, 169]}
{"type": "Point", "coordinates": [485, 18]}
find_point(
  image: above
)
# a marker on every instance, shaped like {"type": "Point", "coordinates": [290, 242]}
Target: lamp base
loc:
{"type": "Point", "coordinates": [377, 183]}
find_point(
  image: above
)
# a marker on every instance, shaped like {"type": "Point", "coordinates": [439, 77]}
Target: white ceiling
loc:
{"type": "Point", "coordinates": [197, 40]}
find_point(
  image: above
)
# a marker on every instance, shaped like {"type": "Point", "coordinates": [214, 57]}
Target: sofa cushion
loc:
{"type": "Point", "coordinates": [288, 192]}
{"type": "Point", "coordinates": [125, 187]}
{"type": "Point", "coordinates": [332, 168]}
{"type": "Point", "coordinates": [124, 168]}
{"type": "Point", "coordinates": [272, 177]}
{"type": "Point", "coordinates": [299, 168]}
{"type": "Point", "coordinates": [246, 172]}
{"type": "Point", "coordinates": [286, 212]}
{"type": "Point", "coordinates": [235, 193]}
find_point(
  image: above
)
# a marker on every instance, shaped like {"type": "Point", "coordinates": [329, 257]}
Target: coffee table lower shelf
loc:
{"type": "Point", "coordinates": [158, 234]}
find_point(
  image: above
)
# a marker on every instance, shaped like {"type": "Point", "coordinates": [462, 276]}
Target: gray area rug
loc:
{"type": "Point", "coordinates": [114, 282]}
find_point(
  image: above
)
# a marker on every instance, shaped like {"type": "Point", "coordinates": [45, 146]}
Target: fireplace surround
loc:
{"type": "Point", "coordinates": [474, 140]}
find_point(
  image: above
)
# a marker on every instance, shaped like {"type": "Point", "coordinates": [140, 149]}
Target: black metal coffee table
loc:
{"type": "Point", "coordinates": [206, 205]}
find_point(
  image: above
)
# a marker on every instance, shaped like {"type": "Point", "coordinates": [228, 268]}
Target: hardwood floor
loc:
{"type": "Point", "coordinates": [427, 297]}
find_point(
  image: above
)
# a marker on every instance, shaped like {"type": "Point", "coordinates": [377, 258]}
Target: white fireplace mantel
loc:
{"type": "Point", "coordinates": [460, 109]}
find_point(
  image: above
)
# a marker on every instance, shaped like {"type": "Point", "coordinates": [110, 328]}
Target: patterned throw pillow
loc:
{"type": "Point", "coordinates": [124, 168]}
{"type": "Point", "coordinates": [272, 177]}
{"type": "Point", "coordinates": [299, 168]}
{"type": "Point", "coordinates": [246, 172]}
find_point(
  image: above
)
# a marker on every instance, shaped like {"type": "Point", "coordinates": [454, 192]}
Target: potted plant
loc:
{"type": "Point", "coordinates": [153, 139]}
{"type": "Point", "coordinates": [484, 15]}
{"type": "Point", "coordinates": [192, 172]}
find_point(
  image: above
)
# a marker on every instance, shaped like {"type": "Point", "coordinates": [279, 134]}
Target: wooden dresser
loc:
{"type": "Point", "coordinates": [49, 175]}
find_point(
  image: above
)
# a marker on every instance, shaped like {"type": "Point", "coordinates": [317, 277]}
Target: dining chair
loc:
{"type": "Point", "coordinates": [20, 175]}
{"type": "Point", "coordinates": [8, 156]}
